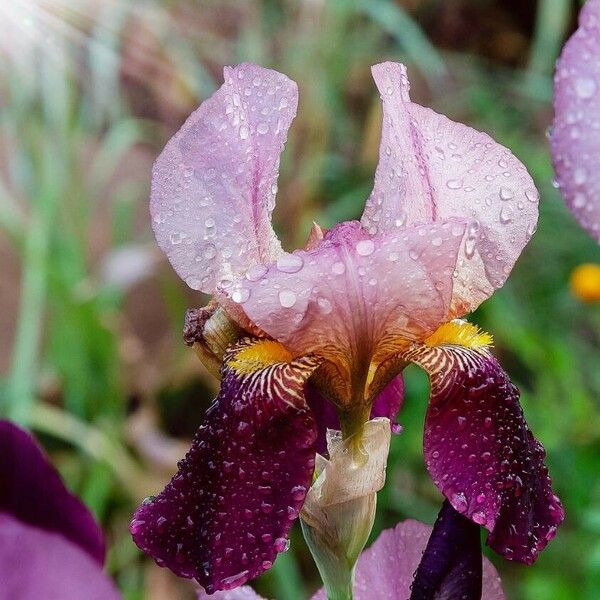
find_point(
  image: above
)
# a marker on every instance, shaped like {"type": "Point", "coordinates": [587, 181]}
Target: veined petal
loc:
{"type": "Point", "coordinates": [357, 299]}
{"type": "Point", "coordinates": [575, 140]}
{"type": "Point", "coordinates": [479, 450]}
{"type": "Point", "coordinates": [38, 563]}
{"type": "Point", "coordinates": [452, 565]}
{"type": "Point", "coordinates": [227, 513]}
{"type": "Point", "coordinates": [214, 184]}
{"type": "Point", "coordinates": [431, 168]}
{"type": "Point", "coordinates": [33, 492]}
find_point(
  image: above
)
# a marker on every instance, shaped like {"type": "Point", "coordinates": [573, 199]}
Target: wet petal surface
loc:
{"type": "Point", "coordinates": [431, 168]}
{"type": "Point", "coordinates": [227, 513]}
{"type": "Point", "coordinates": [37, 563]}
{"type": "Point", "coordinates": [354, 298]}
{"type": "Point", "coordinates": [482, 455]}
{"type": "Point", "coordinates": [33, 492]}
{"type": "Point", "coordinates": [214, 185]}
{"type": "Point", "coordinates": [575, 139]}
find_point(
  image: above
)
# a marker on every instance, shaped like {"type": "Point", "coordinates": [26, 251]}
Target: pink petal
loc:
{"type": "Point", "coordinates": [39, 564]}
{"type": "Point", "coordinates": [214, 185]}
{"type": "Point", "coordinates": [575, 141]}
{"type": "Point", "coordinates": [431, 168]}
{"type": "Point", "coordinates": [353, 297]}
{"type": "Point", "coordinates": [385, 570]}
{"type": "Point", "coordinates": [226, 514]}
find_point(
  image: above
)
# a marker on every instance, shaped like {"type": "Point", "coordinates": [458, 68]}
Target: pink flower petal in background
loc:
{"type": "Point", "coordinates": [431, 168]}
{"type": "Point", "coordinates": [354, 297]}
{"type": "Point", "coordinates": [214, 184]}
{"type": "Point", "coordinates": [38, 564]}
{"type": "Point", "coordinates": [575, 140]}
{"type": "Point", "coordinates": [385, 570]}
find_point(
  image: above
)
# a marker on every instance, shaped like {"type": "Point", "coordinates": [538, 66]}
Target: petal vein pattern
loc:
{"type": "Point", "coordinates": [227, 512]}
{"type": "Point", "coordinates": [214, 184]}
{"type": "Point", "coordinates": [356, 299]}
{"type": "Point", "coordinates": [431, 168]}
{"type": "Point", "coordinates": [482, 455]}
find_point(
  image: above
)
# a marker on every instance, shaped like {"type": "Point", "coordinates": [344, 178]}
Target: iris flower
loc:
{"type": "Point", "coordinates": [575, 139]}
{"type": "Point", "coordinates": [50, 545]}
{"type": "Point", "coordinates": [447, 560]}
{"type": "Point", "coordinates": [338, 320]}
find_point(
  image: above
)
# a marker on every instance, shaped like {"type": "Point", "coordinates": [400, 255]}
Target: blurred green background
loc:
{"type": "Point", "coordinates": [91, 356]}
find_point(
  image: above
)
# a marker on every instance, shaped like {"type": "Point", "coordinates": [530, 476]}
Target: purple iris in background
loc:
{"type": "Point", "coordinates": [50, 546]}
{"type": "Point", "coordinates": [447, 560]}
{"type": "Point", "coordinates": [575, 139]}
{"type": "Point", "coordinates": [336, 322]}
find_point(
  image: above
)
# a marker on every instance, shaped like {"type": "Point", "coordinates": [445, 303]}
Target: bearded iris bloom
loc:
{"type": "Point", "coordinates": [336, 322]}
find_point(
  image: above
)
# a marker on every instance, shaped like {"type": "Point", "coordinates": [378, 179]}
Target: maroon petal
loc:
{"type": "Point", "coordinates": [37, 564]}
{"type": "Point", "coordinates": [227, 513]}
{"type": "Point", "coordinates": [452, 565]}
{"type": "Point", "coordinates": [482, 455]}
{"type": "Point", "coordinates": [33, 492]}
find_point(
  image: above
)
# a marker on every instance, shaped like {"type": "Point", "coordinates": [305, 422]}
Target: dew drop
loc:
{"type": "Point", "coordinates": [324, 305]}
{"type": "Point", "coordinates": [506, 193]}
{"type": "Point", "coordinates": [287, 298]}
{"type": "Point", "coordinates": [585, 87]}
{"type": "Point", "coordinates": [454, 184]}
{"type": "Point", "coordinates": [244, 132]}
{"type": "Point", "coordinates": [255, 272]}
{"type": "Point", "coordinates": [289, 263]}
{"type": "Point", "coordinates": [338, 268]}
{"type": "Point", "coordinates": [365, 247]}
{"type": "Point", "coordinates": [506, 215]}
{"type": "Point", "coordinates": [240, 295]}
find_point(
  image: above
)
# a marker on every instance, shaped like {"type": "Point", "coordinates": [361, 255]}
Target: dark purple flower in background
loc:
{"type": "Point", "coordinates": [575, 139]}
{"type": "Point", "coordinates": [50, 545]}
{"type": "Point", "coordinates": [449, 214]}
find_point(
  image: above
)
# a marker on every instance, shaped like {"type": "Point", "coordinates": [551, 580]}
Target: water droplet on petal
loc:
{"type": "Point", "coordinates": [289, 263]}
{"type": "Point", "coordinates": [287, 298]}
{"type": "Point", "coordinates": [338, 268]}
{"type": "Point", "coordinates": [324, 305]}
{"type": "Point", "coordinates": [506, 193]}
{"type": "Point", "coordinates": [255, 272]}
{"type": "Point", "coordinates": [365, 247]}
{"type": "Point", "coordinates": [454, 184]}
{"type": "Point", "coordinates": [585, 87]}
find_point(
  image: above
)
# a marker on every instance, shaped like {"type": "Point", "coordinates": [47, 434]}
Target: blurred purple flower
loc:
{"type": "Point", "coordinates": [575, 139]}
{"type": "Point", "coordinates": [449, 214]}
{"type": "Point", "coordinates": [447, 561]}
{"type": "Point", "coordinates": [50, 545]}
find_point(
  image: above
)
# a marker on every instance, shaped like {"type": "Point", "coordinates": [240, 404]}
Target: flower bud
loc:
{"type": "Point", "coordinates": [339, 510]}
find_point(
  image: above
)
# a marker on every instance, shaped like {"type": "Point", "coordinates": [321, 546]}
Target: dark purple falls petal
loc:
{"type": "Point", "coordinates": [482, 455]}
{"type": "Point", "coordinates": [228, 511]}
{"type": "Point", "coordinates": [452, 565]}
{"type": "Point", "coordinates": [38, 564]}
{"type": "Point", "coordinates": [387, 404]}
{"type": "Point", "coordinates": [32, 491]}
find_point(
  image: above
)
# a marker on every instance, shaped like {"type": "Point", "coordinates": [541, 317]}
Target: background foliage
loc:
{"type": "Point", "coordinates": [91, 356]}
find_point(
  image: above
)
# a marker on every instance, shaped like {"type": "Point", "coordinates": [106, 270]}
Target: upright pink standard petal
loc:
{"type": "Point", "coordinates": [431, 168]}
{"type": "Point", "coordinates": [575, 140]}
{"type": "Point", "coordinates": [214, 185]}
